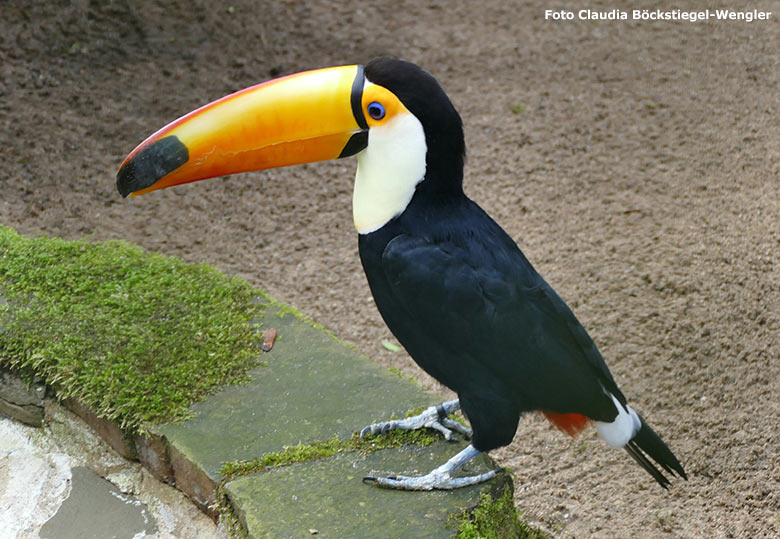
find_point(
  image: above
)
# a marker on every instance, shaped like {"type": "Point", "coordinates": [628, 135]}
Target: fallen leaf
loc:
{"type": "Point", "coordinates": [390, 346]}
{"type": "Point", "coordinates": [269, 336]}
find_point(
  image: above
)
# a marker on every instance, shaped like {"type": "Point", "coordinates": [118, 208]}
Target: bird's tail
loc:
{"type": "Point", "coordinates": [646, 443]}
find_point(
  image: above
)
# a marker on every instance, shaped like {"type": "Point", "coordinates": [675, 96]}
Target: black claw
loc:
{"type": "Point", "coordinates": [369, 479]}
{"type": "Point", "coordinates": [441, 412]}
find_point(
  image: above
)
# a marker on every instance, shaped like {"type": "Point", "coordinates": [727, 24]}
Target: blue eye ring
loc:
{"type": "Point", "coordinates": [376, 110]}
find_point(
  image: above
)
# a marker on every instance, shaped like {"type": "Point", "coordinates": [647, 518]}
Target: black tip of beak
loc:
{"type": "Point", "coordinates": [150, 164]}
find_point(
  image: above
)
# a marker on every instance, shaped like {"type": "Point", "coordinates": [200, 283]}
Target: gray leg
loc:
{"type": "Point", "coordinates": [439, 478]}
{"type": "Point", "coordinates": [434, 417]}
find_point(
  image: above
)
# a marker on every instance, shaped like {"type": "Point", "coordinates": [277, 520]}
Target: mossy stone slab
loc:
{"type": "Point", "coordinates": [329, 498]}
{"type": "Point", "coordinates": [313, 388]}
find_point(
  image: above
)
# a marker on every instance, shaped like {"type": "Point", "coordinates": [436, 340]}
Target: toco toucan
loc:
{"type": "Point", "coordinates": [440, 269]}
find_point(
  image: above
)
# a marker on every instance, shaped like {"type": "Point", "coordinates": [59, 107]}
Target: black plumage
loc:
{"type": "Point", "coordinates": [450, 283]}
{"type": "Point", "coordinates": [469, 307]}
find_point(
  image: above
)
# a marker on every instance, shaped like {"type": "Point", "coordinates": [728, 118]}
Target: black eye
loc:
{"type": "Point", "coordinates": [376, 110]}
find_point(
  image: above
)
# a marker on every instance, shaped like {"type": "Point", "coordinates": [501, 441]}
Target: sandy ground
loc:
{"type": "Point", "coordinates": [640, 173]}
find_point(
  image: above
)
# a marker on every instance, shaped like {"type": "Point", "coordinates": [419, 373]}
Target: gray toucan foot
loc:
{"type": "Point", "coordinates": [434, 417]}
{"type": "Point", "coordinates": [440, 478]}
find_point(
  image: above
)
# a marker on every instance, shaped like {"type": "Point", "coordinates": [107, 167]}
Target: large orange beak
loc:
{"type": "Point", "coordinates": [302, 118]}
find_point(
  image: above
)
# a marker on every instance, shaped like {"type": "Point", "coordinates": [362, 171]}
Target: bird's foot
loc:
{"type": "Point", "coordinates": [435, 417]}
{"type": "Point", "coordinates": [431, 481]}
{"type": "Point", "coordinates": [440, 478]}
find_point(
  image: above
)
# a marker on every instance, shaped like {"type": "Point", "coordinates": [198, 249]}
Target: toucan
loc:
{"type": "Point", "coordinates": [450, 283]}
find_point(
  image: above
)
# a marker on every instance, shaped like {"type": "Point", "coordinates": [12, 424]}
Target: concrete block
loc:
{"type": "Point", "coordinates": [20, 400]}
{"type": "Point", "coordinates": [313, 388]}
{"type": "Point", "coordinates": [329, 497]}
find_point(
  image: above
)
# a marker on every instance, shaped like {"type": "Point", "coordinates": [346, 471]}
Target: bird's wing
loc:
{"type": "Point", "coordinates": [500, 315]}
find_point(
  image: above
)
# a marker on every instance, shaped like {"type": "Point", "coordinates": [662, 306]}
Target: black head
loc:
{"type": "Point", "coordinates": [425, 98]}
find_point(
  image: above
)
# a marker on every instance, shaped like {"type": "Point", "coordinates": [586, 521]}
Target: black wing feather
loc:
{"type": "Point", "coordinates": [498, 315]}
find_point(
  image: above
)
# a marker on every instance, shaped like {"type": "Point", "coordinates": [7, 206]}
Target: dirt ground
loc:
{"type": "Point", "coordinates": [637, 164]}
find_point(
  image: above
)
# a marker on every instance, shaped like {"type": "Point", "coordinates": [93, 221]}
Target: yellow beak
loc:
{"type": "Point", "coordinates": [301, 118]}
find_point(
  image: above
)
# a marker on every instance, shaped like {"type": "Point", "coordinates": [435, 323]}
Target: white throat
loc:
{"type": "Point", "coordinates": [388, 170]}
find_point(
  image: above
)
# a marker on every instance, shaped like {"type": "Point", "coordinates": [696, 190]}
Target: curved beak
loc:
{"type": "Point", "coordinates": [302, 118]}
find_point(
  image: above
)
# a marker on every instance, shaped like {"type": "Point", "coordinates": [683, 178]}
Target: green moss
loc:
{"type": "Point", "coordinates": [227, 515]}
{"type": "Point", "coordinates": [496, 519]}
{"type": "Point", "coordinates": [414, 411]}
{"type": "Point", "coordinates": [305, 453]}
{"type": "Point", "coordinates": [136, 337]}
{"type": "Point", "coordinates": [283, 310]}
{"type": "Point", "coordinates": [327, 448]}
{"type": "Point", "coordinates": [285, 457]}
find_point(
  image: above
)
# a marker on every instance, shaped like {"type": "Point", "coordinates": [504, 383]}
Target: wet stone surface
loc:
{"type": "Point", "coordinates": [36, 478]}
{"type": "Point", "coordinates": [329, 496]}
{"type": "Point", "coordinates": [96, 509]}
{"type": "Point", "coordinates": [313, 388]}
{"type": "Point", "coordinates": [309, 387]}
